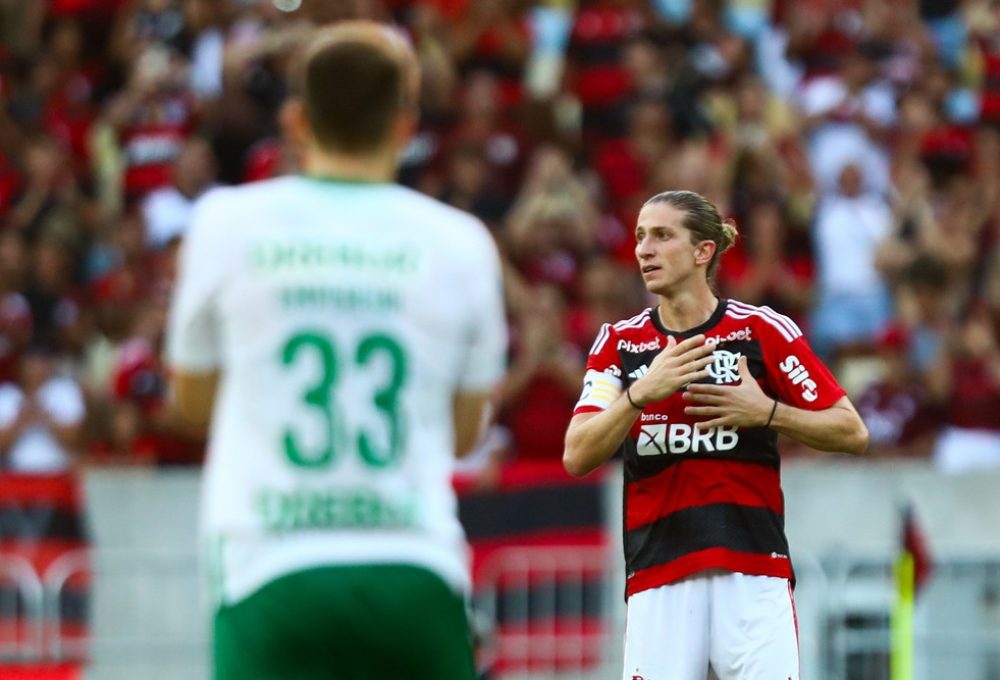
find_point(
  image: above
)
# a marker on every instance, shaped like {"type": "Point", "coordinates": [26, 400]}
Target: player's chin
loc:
{"type": "Point", "coordinates": [656, 286]}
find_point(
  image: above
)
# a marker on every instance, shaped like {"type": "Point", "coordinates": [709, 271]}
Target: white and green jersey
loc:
{"type": "Point", "coordinates": [343, 318]}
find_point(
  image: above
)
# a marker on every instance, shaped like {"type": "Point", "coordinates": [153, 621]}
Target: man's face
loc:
{"type": "Point", "coordinates": [35, 369]}
{"type": "Point", "coordinates": [667, 259]}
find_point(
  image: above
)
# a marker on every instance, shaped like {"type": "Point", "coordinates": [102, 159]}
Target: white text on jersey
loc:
{"type": "Point", "coordinates": [660, 439]}
{"type": "Point", "coordinates": [639, 347]}
{"type": "Point", "coordinates": [798, 374]}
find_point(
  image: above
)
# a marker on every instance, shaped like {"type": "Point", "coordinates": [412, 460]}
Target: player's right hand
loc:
{"type": "Point", "coordinates": [677, 365]}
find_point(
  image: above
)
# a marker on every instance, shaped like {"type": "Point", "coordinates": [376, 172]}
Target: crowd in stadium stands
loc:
{"type": "Point", "coordinates": [855, 142]}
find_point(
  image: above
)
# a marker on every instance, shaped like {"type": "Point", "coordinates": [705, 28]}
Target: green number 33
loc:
{"type": "Point", "coordinates": [319, 397]}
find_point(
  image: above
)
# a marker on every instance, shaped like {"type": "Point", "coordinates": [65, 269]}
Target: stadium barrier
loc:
{"type": "Point", "coordinates": [21, 610]}
{"type": "Point", "coordinates": [549, 581]}
{"type": "Point", "coordinates": [41, 521]}
{"type": "Point", "coordinates": [541, 562]}
{"type": "Point", "coordinates": [546, 612]}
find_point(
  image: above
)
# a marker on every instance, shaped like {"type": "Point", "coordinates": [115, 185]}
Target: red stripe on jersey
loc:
{"type": "Point", "coordinates": [695, 482]}
{"type": "Point", "coordinates": [714, 558]}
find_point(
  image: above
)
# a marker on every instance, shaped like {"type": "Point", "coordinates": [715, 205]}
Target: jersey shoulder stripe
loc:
{"type": "Point", "coordinates": [769, 312]}
{"type": "Point", "coordinates": [788, 329]}
{"type": "Point", "coordinates": [602, 337]}
{"type": "Point", "coordinates": [636, 321]}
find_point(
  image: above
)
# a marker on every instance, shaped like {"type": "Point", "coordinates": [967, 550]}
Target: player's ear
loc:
{"type": "Point", "coordinates": [294, 123]}
{"type": "Point", "coordinates": [704, 251]}
{"type": "Point", "coordinates": [404, 127]}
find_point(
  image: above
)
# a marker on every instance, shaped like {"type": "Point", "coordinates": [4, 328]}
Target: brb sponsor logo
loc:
{"type": "Point", "coordinates": [661, 438]}
{"type": "Point", "coordinates": [799, 375]}
{"type": "Point", "coordinates": [639, 347]}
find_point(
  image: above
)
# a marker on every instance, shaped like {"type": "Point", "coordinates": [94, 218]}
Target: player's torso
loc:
{"type": "Point", "coordinates": [664, 434]}
{"type": "Point", "coordinates": [340, 345]}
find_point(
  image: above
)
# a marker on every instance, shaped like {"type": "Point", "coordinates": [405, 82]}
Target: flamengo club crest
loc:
{"type": "Point", "coordinates": [725, 368]}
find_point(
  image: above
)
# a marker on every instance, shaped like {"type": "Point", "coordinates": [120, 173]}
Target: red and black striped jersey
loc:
{"type": "Point", "coordinates": [697, 500]}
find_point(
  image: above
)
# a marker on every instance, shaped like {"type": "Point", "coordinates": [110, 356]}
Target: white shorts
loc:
{"type": "Point", "coordinates": [744, 626]}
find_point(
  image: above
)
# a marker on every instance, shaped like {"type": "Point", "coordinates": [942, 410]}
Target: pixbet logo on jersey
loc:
{"type": "Point", "coordinates": [799, 375]}
{"type": "Point", "coordinates": [658, 439]}
{"type": "Point", "coordinates": [639, 347]}
{"type": "Point", "coordinates": [745, 333]}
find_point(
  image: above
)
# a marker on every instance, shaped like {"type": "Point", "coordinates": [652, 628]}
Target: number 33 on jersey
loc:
{"type": "Point", "coordinates": [342, 318]}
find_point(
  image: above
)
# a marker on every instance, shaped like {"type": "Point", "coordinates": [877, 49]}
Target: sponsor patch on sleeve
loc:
{"type": "Point", "coordinates": [600, 389]}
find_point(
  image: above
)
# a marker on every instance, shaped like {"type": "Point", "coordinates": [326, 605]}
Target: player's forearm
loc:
{"type": "Point", "coordinates": [834, 429]}
{"type": "Point", "coordinates": [592, 441]}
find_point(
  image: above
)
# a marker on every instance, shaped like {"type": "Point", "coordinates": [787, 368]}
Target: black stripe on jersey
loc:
{"type": "Point", "coordinates": [726, 525]}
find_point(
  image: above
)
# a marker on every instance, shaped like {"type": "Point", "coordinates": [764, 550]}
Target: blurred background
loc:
{"type": "Point", "coordinates": [855, 142]}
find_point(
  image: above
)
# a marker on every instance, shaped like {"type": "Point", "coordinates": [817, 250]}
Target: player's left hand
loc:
{"type": "Point", "coordinates": [742, 405]}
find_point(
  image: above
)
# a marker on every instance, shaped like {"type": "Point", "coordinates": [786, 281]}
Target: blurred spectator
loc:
{"type": "Point", "coordinates": [256, 63]}
{"type": "Point", "coordinates": [553, 226]}
{"type": "Point", "coordinates": [167, 210]}
{"type": "Point", "coordinates": [15, 312]}
{"type": "Point", "coordinates": [627, 165]}
{"type": "Point", "coordinates": [967, 379]}
{"type": "Point", "coordinates": [205, 24]}
{"type": "Point", "coordinates": [984, 29]}
{"type": "Point", "coordinates": [853, 303]}
{"type": "Point", "coordinates": [818, 33]}
{"type": "Point", "coordinates": [855, 144]}
{"type": "Point", "coordinates": [607, 291]}
{"type": "Point", "coordinates": [52, 296]}
{"type": "Point", "coordinates": [544, 379]}
{"type": "Point", "coordinates": [603, 59]}
{"type": "Point", "coordinates": [151, 118]}
{"type": "Point", "coordinates": [484, 122]}
{"type": "Point", "coordinates": [492, 35]}
{"type": "Point", "coordinates": [925, 306]}
{"type": "Point", "coordinates": [848, 116]}
{"type": "Point", "coordinates": [896, 407]}
{"type": "Point", "coordinates": [762, 270]}
{"type": "Point", "coordinates": [470, 185]}
{"type": "Point", "coordinates": [40, 416]}
{"type": "Point", "coordinates": [51, 197]}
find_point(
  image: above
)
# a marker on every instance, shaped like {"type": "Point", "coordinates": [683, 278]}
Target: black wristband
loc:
{"type": "Point", "coordinates": [628, 395]}
{"type": "Point", "coordinates": [771, 417]}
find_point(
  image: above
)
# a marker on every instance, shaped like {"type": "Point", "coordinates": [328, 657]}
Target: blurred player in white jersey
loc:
{"type": "Point", "coordinates": [693, 392]}
{"type": "Point", "coordinates": [353, 331]}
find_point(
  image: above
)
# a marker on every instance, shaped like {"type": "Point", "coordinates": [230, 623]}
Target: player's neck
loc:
{"type": "Point", "coordinates": [687, 309]}
{"type": "Point", "coordinates": [377, 167]}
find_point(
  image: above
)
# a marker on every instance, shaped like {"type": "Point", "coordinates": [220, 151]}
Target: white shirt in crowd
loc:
{"type": "Point", "coordinates": [37, 450]}
{"type": "Point", "coordinates": [848, 232]}
{"type": "Point", "coordinates": [835, 144]}
{"type": "Point", "coordinates": [167, 214]}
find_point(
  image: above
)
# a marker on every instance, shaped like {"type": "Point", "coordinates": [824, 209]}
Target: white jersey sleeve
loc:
{"type": "Point", "coordinates": [192, 333]}
{"type": "Point", "coordinates": [485, 359]}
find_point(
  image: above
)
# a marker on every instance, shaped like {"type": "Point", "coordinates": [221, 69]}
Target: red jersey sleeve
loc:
{"type": "Point", "coordinates": [795, 374]}
{"type": "Point", "coordinates": [602, 382]}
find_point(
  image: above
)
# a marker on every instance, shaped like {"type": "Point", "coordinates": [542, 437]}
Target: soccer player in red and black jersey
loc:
{"type": "Point", "coordinates": [694, 392]}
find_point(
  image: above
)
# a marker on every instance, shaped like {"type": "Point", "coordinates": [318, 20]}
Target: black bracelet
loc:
{"type": "Point", "coordinates": [628, 395]}
{"type": "Point", "coordinates": [771, 417]}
